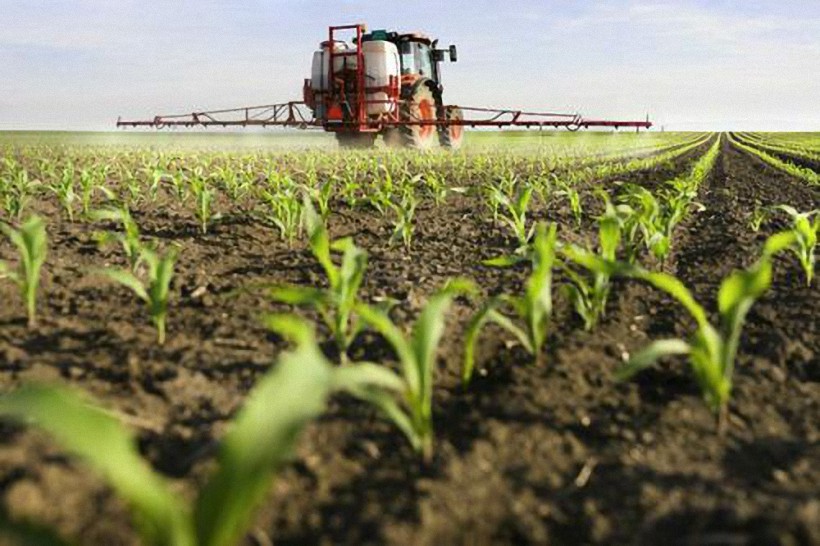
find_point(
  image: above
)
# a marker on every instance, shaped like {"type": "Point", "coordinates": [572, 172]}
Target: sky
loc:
{"type": "Point", "coordinates": [688, 64]}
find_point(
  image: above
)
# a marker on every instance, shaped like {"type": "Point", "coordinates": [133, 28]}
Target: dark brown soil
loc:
{"type": "Point", "coordinates": [556, 454]}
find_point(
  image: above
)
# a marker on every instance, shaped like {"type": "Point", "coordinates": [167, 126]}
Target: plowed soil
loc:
{"type": "Point", "coordinates": [560, 453]}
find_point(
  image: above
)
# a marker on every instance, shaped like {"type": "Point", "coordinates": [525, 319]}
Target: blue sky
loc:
{"type": "Point", "coordinates": [688, 64]}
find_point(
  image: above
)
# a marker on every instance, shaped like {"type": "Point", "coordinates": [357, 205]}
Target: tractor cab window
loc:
{"type": "Point", "coordinates": [416, 58]}
{"type": "Point", "coordinates": [408, 58]}
{"type": "Point", "coordinates": [424, 60]}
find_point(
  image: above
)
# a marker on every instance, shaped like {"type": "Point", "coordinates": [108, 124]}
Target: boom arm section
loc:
{"type": "Point", "coordinates": [298, 115]}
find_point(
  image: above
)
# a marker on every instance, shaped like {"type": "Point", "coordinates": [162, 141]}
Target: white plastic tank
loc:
{"type": "Point", "coordinates": [321, 62]}
{"type": "Point", "coordinates": [381, 61]}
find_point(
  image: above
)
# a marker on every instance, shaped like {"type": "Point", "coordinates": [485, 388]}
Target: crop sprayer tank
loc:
{"type": "Point", "coordinates": [321, 62]}
{"type": "Point", "coordinates": [381, 63]}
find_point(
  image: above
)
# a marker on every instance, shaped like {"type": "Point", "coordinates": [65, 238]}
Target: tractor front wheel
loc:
{"type": "Point", "coordinates": [421, 106]}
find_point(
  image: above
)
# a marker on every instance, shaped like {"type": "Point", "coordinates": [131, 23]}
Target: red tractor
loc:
{"type": "Point", "coordinates": [386, 83]}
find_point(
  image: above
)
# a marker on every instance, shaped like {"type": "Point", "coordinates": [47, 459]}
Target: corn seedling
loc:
{"type": "Point", "coordinates": [589, 298]}
{"type": "Point", "coordinates": [533, 309]}
{"type": "Point", "coordinates": [128, 239]}
{"type": "Point", "coordinates": [260, 440]}
{"type": "Point", "coordinates": [90, 179]}
{"type": "Point", "coordinates": [573, 200]}
{"type": "Point", "coordinates": [321, 195]}
{"type": "Point", "coordinates": [759, 215]}
{"type": "Point", "coordinates": [203, 198]}
{"type": "Point", "coordinates": [805, 230]}
{"type": "Point", "coordinates": [711, 350]}
{"type": "Point", "coordinates": [155, 289]}
{"type": "Point", "coordinates": [19, 188]}
{"type": "Point", "coordinates": [407, 398]}
{"type": "Point", "coordinates": [336, 303]}
{"type": "Point", "coordinates": [513, 211]}
{"type": "Point", "coordinates": [404, 223]}
{"type": "Point", "coordinates": [31, 244]}
{"type": "Point", "coordinates": [284, 211]}
{"type": "Point", "coordinates": [177, 180]}
{"type": "Point", "coordinates": [64, 190]}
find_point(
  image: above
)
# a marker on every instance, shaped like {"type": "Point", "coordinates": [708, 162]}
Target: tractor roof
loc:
{"type": "Point", "coordinates": [416, 37]}
{"type": "Point", "coordinates": [398, 36]}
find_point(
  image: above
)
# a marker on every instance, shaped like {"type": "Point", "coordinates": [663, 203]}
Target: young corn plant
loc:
{"type": "Point", "coordinates": [805, 230]}
{"type": "Point", "coordinates": [155, 289]}
{"type": "Point", "coordinates": [437, 186]}
{"type": "Point", "coordinates": [19, 188]}
{"type": "Point", "coordinates": [711, 350]}
{"type": "Point", "coordinates": [406, 398]}
{"type": "Point", "coordinates": [533, 309]}
{"type": "Point", "coordinates": [336, 303]}
{"type": "Point", "coordinates": [63, 188]}
{"type": "Point", "coordinates": [284, 211]}
{"type": "Point", "coordinates": [642, 225]}
{"type": "Point", "coordinates": [404, 223]}
{"type": "Point", "coordinates": [260, 440]}
{"type": "Point", "coordinates": [203, 199]}
{"type": "Point", "coordinates": [759, 215]}
{"type": "Point", "coordinates": [88, 182]}
{"type": "Point", "coordinates": [128, 239]}
{"type": "Point", "coordinates": [513, 211]}
{"type": "Point", "coordinates": [321, 194]}
{"type": "Point", "coordinates": [589, 296]}
{"type": "Point", "coordinates": [31, 244]}
{"type": "Point", "coordinates": [573, 200]}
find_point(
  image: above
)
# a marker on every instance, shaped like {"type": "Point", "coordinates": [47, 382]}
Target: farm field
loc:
{"type": "Point", "coordinates": [545, 442]}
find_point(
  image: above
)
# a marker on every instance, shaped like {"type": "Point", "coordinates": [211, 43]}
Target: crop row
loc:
{"type": "Point", "coordinates": [760, 150]}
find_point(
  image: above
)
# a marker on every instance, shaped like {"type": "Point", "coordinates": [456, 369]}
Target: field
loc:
{"type": "Point", "coordinates": [548, 442]}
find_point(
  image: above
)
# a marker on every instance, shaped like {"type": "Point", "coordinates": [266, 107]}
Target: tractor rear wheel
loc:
{"type": "Point", "coordinates": [421, 106]}
{"type": "Point", "coordinates": [352, 141]}
{"type": "Point", "coordinates": [452, 136]}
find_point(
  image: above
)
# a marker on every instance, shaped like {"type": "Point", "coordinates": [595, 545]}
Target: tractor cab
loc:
{"type": "Point", "coordinates": [418, 55]}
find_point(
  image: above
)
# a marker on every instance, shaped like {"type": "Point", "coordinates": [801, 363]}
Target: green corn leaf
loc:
{"type": "Point", "coordinates": [162, 278]}
{"type": "Point", "coordinates": [385, 402]}
{"type": "Point", "coordinates": [298, 295]}
{"type": "Point", "coordinates": [592, 262]}
{"type": "Point", "coordinates": [366, 375]}
{"type": "Point", "coordinates": [379, 321]}
{"type": "Point", "coordinates": [788, 209]}
{"type": "Point", "coordinates": [263, 436]}
{"type": "Point", "coordinates": [609, 233]}
{"type": "Point", "coordinates": [651, 354]}
{"type": "Point", "coordinates": [319, 240]}
{"type": "Point", "coordinates": [474, 327]}
{"type": "Point", "coordinates": [127, 279]}
{"type": "Point", "coordinates": [778, 242]}
{"type": "Point", "coordinates": [505, 261]}
{"type": "Point", "coordinates": [676, 289]}
{"type": "Point", "coordinates": [351, 273]}
{"type": "Point", "coordinates": [429, 327]}
{"type": "Point", "coordinates": [104, 443]}
{"type": "Point", "coordinates": [741, 286]}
